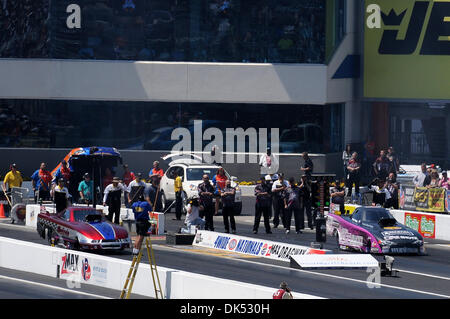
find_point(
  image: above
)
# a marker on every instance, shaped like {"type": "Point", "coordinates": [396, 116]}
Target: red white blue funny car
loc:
{"type": "Point", "coordinates": [82, 228]}
{"type": "Point", "coordinates": [373, 230]}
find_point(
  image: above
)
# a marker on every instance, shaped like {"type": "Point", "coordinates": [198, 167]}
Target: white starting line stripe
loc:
{"type": "Point", "coordinates": [53, 287]}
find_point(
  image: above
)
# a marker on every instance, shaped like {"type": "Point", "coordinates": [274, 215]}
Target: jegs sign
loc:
{"type": "Point", "coordinates": [407, 42]}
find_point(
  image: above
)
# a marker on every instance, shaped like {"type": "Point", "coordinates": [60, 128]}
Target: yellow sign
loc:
{"type": "Point", "coordinates": [436, 200]}
{"type": "Point", "coordinates": [407, 49]}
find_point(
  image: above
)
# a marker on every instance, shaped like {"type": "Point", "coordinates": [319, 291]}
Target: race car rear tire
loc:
{"type": "Point", "coordinates": [337, 241]}
{"type": "Point", "coordinates": [49, 235]}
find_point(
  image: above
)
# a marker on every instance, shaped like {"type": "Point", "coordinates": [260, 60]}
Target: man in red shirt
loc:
{"type": "Point", "coordinates": [219, 181]}
{"type": "Point", "coordinates": [283, 293]}
{"type": "Point", "coordinates": [41, 180]}
{"type": "Point", "coordinates": [127, 178]}
{"type": "Point", "coordinates": [156, 170]}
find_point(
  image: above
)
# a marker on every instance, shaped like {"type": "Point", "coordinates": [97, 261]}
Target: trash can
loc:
{"type": "Point", "coordinates": [321, 229]}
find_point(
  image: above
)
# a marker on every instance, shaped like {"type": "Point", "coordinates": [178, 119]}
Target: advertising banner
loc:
{"type": "Point", "coordinates": [81, 269]}
{"type": "Point", "coordinates": [406, 197]}
{"type": "Point", "coordinates": [421, 198]}
{"type": "Point", "coordinates": [424, 224]}
{"type": "Point", "coordinates": [252, 246]}
{"type": "Point", "coordinates": [430, 199]}
{"type": "Point", "coordinates": [406, 47]}
{"type": "Point", "coordinates": [436, 200]}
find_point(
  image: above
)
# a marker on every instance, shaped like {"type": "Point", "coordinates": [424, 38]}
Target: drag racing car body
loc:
{"type": "Point", "coordinates": [373, 230]}
{"type": "Point", "coordinates": [82, 228]}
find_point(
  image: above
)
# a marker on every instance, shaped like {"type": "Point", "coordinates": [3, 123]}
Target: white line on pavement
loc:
{"type": "Point", "coordinates": [54, 287]}
{"type": "Point", "coordinates": [331, 276]}
{"type": "Point", "coordinates": [350, 279]}
{"type": "Point", "coordinates": [423, 274]}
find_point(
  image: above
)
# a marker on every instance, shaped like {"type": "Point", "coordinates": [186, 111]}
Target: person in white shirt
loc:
{"type": "Point", "coordinates": [193, 213]}
{"type": "Point", "coordinates": [420, 179]}
{"type": "Point", "coordinates": [112, 198]}
{"type": "Point", "coordinates": [60, 195]}
{"type": "Point", "coordinates": [278, 188]}
{"type": "Point", "coordinates": [268, 163]}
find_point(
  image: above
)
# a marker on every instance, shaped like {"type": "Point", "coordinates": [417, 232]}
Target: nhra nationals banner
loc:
{"type": "Point", "coordinates": [252, 246]}
{"type": "Point", "coordinates": [406, 49]}
{"type": "Point", "coordinates": [424, 224]}
{"type": "Point", "coordinates": [430, 199]}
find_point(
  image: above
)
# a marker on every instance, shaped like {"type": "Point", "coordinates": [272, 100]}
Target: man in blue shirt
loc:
{"type": "Point", "coordinates": [141, 210]}
{"type": "Point", "coordinates": [86, 189]}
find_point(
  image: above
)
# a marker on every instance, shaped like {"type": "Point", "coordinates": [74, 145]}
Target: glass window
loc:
{"type": "Point", "coordinates": [67, 215]}
{"type": "Point", "coordinates": [80, 214]}
{"type": "Point", "coordinates": [149, 125]}
{"type": "Point", "coordinates": [196, 174]}
{"type": "Point", "coordinates": [291, 31]}
{"type": "Point", "coordinates": [356, 217]}
{"type": "Point", "coordinates": [374, 215]}
{"type": "Point", "coordinates": [172, 170]}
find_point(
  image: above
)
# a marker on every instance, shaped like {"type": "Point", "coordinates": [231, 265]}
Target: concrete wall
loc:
{"type": "Point", "coordinates": [163, 81]}
{"type": "Point", "coordinates": [111, 273]}
{"type": "Point", "coordinates": [29, 159]}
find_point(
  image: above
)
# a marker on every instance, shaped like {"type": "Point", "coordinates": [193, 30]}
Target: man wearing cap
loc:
{"type": "Point", "coordinates": [278, 188]}
{"type": "Point", "coordinates": [337, 194]}
{"type": "Point", "coordinates": [206, 193]}
{"type": "Point", "coordinates": [136, 189]}
{"type": "Point", "coordinates": [12, 179]}
{"type": "Point", "coordinates": [64, 172]}
{"type": "Point", "coordinates": [61, 197]}
{"type": "Point", "coordinates": [141, 209]}
{"type": "Point", "coordinates": [86, 189]}
{"type": "Point", "coordinates": [284, 292]}
{"type": "Point", "coordinates": [262, 205]}
{"type": "Point", "coordinates": [112, 198]}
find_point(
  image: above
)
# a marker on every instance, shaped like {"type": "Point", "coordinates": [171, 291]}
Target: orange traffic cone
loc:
{"type": "Point", "coordinates": [2, 211]}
